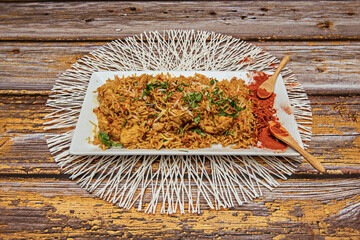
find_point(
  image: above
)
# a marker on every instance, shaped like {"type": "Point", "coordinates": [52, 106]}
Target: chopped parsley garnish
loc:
{"type": "Point", "coordinates": [147, 88]}
{"type": "Point", "coordinates": [227, 133]}
{"type": "Point", "coordinates": [197, 119]}
{"type": "Point", "coordinates": [153, 115]}
{"type": "Point", "coordinates": [105, 139]}
{"type": "Point", "coordinates": [124, 123]}
{"type": "Point", "coordinates": [181, 131]}
{"type": "Point", "coordinates": [168, 96]}
{"type": "Point", "coordinates": [222, 113]}
{"type": "Point", "coordinates": [198, 131]}
{"type": "Point", "coordinates": [193, 98]}
{"type": "Point", "coordinates": [179, 89]}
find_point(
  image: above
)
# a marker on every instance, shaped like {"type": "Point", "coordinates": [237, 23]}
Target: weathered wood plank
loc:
{"type": "Point", "coordinates": [323, 68]}
{"type": "Point", "coordinates": [23, 149]}
{"type": "Point", "coordinates": [57, 208]}
{"type": "Point", "coordinates": [248, 20]}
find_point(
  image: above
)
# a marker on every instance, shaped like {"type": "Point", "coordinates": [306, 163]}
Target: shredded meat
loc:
{"type": "Point", "coordinates": [219, 125]}
{"type": "Point", "coordinates": [130, 135]}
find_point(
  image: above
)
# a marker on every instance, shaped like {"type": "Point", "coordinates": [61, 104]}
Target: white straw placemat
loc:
{"type": "Point", "coordinates": [169, 184]}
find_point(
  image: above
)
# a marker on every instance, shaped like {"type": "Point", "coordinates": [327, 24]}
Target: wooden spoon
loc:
{"type": "Point", "coordinates": [282, 134]}
{"type": "Point", "coordinates": [266, 88]}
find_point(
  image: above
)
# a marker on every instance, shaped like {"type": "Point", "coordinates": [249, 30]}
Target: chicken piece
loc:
{"type": "Point", "coordinates": [180, 117]}
{"type": "Point", "coordinates": [184, 118]}
{"type": "Point", "coordinates": [103, 93]}
{"type": "Point", "coordinates": [158, 126]}
{"type": "Point", "coordinates": [130, 135]}
{"type": "Point", "coordinates": [219, 125]}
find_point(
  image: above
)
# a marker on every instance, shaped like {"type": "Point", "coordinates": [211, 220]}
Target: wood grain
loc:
{"type": "Point", "coordinates": [282, 20]}
{"type": "Point", "coordinates": [323, 68]}
{"type": "Point", "coordinates": [58, 208]}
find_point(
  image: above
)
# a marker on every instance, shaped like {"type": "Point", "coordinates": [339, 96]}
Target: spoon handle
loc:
{"type": "Point", "coordinates": [311, 159]}
{"type": "Point", "coordinates": [282, 64]}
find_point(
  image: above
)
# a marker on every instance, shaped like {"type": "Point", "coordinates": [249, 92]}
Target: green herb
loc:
{"type": "Point", "coordinates": [223, 113]}
{"type": "Point", "coordinates": [198, 132]}
{"type": "Point", "coordinates": [227, 133]}
{"type": "Point", "coordinates": [213, 81]}
{"type": "Point", "coordinates": [197, 119]}
{"type": "Point", "coordinates": [179, 89]}
{"type": "Point", "coordinates": [122, 99]}
{"type": "Point", "coordinates": [135, 99]}
{"type": "Point", "coordinates": [153, 115]}
{"type": "Point", "coordinates": [181, 131]}
{"type": "Point", "coordinates": [168, 96]}
{"type": "Point", "coordinates": [124, 123]}
{"type": "Point", "coordinates": [165, 140]}
{"type": "Point", "coordinates": [144, 94]}
{"type": "Point", "coordinates": [240, 108]}
{"type": "Point", "coordinates": [105, 139]}
{"type": "Point", "coordinates": [152, 86]}
{"type": "Point", "coordinates": [192, 98]}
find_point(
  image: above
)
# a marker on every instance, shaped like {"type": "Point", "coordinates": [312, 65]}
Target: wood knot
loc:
{"type": "Point", "coordinates": [319, 59]}
{"type": "Point", "coordinates": [89, 19]}
{"type": "Point", "coordinates": [131, 9]}
{"type": "Point", "coordinates": [213, 13]}
{"type": "Point", "coordinates": [320, 69]}
{"type": "Point", "coordinates": [264, 9]}
{"type": "Point", "coordinates": [325, 25]}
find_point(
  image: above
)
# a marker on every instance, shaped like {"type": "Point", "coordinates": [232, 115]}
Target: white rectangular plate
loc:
{"type": "Point", "coordinates": [84, 129]}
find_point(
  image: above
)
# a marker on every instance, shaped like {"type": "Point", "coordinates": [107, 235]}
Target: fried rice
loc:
{"type": "Point", "coordinates": [163, 111]}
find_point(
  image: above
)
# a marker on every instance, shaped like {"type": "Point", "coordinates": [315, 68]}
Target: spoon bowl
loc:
{"type": "Point", "coordinates": [267, 88]}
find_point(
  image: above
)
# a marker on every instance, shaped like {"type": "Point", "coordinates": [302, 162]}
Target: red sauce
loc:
{"type": "Point", "coordinates": [268, 141]}
{"type": "Point", "coordinates": [263, 92]}
{"type": "Point", "coordinates": [264, 112]}
{"type": "Point", "coordinates": [278, 129]}
{"type": "Point", "coordinates": [287, 109]}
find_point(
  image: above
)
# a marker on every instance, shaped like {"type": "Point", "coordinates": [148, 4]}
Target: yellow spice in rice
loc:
{"type": "Point", "coordinates": [163, 111]}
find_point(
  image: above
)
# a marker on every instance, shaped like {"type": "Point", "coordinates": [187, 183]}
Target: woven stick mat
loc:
{"type": "Point", "coordinates": [169, 184]}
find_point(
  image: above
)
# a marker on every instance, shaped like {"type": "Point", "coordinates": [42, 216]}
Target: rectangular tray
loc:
{"type": "Point", "coordinates": [84, 129]}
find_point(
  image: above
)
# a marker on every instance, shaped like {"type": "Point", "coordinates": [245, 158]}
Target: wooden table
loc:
{"type": "Point", "coordinates": [40, 40]}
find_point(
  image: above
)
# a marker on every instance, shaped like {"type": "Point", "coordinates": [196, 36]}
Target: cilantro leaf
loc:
{"type": "Point", "coordinates": [198, 132]}
{"type": "Point", "coordinates": [105, 139]}
{"type": "Point", "coordinates": [197, 119]}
